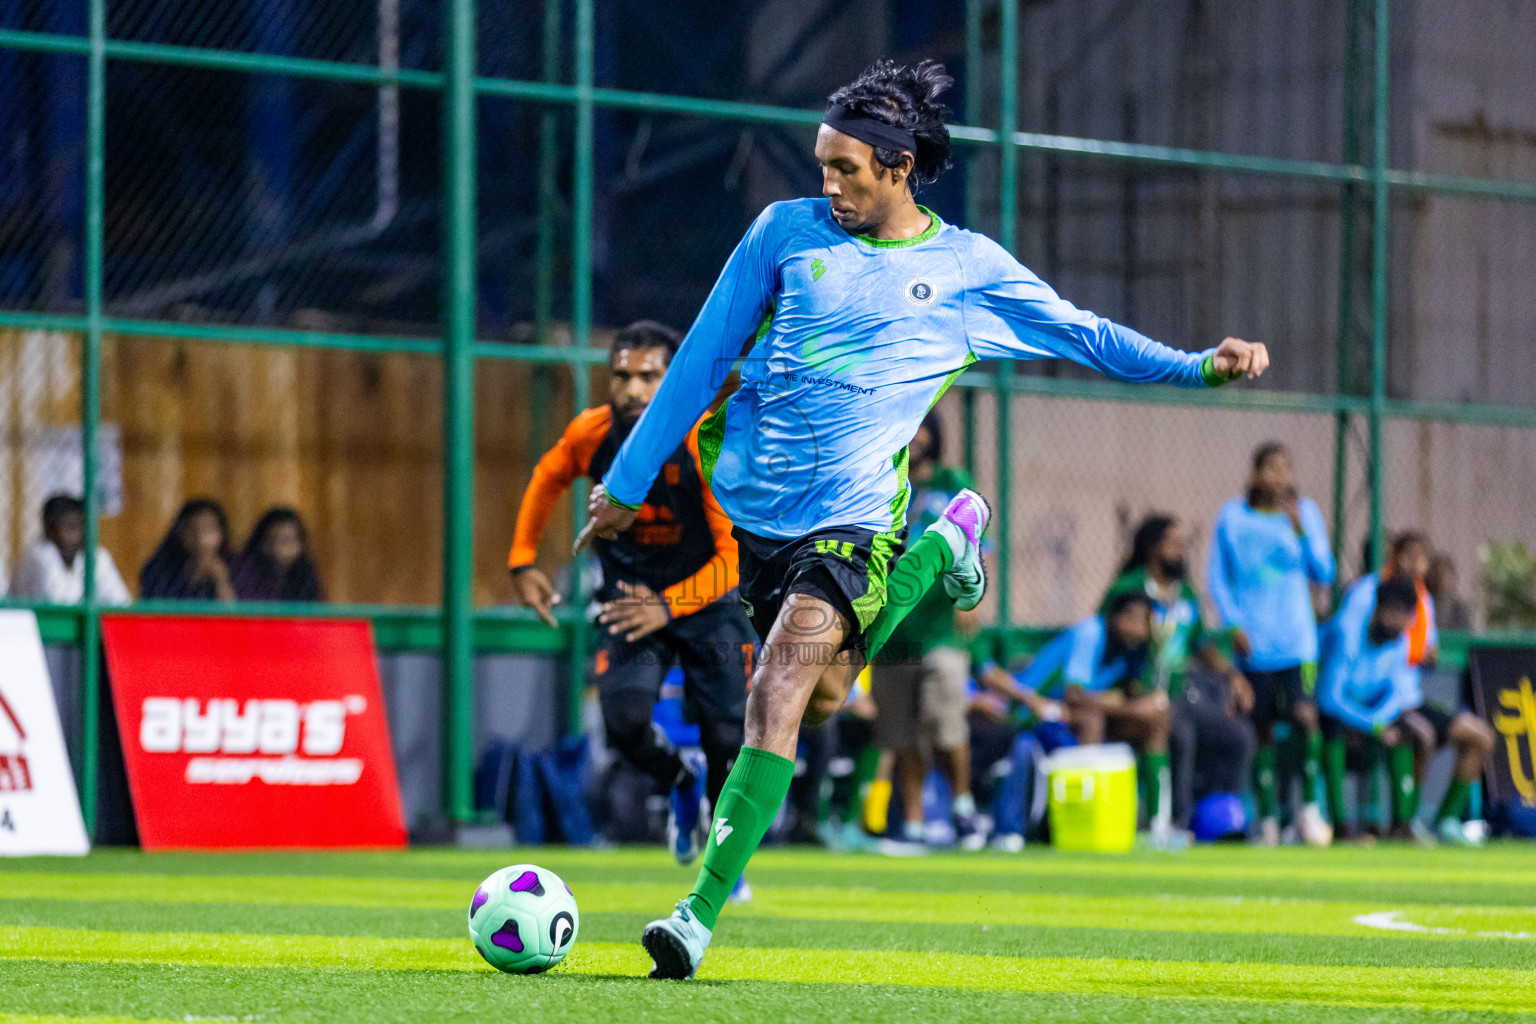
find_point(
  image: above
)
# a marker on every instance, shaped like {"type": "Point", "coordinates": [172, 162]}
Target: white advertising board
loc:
{"type": "Point", "coordinates": [39, 808]}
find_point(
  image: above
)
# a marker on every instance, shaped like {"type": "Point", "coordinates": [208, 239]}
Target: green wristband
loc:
{"type": "Point", "coordinates": [1209, 374]}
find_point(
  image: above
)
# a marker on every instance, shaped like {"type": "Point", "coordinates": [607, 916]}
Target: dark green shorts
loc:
{"type": "Point", "coordinates": [844, 566]}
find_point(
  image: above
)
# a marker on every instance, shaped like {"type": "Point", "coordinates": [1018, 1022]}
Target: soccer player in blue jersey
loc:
{"type": "Point", "coordinates": [1268, 550]}
{"type": "Point", "coordinates": [861, 308]}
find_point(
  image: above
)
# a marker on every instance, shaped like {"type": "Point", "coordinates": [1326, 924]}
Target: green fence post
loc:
{"type": "Point", "coordinates": [90, 407]}
{"type": "Point", "coordinates": [1007, 227]}
{"type": "Point", "coordinates": [544, 251]}
{"type": "Point", "coordinates": [973, 47]}
{"type": "Point", "coordinates": [581, 331]}
{"type": "Point", "coordinates": [1379, 211]}
{"type": "Point", "coordinates": [1349, 198]}
{"type": "Point", "coordinates": [459, 411]}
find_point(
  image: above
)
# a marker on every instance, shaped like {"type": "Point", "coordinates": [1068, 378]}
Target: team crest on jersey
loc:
{"type": "Point", "coordinates": [920, 291]}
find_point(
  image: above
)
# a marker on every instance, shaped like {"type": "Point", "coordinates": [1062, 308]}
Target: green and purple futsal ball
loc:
{"type": "Point", "coordinates": [523, 919]}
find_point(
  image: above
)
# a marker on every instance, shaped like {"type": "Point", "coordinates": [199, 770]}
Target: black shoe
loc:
{"type": "Point", "coordinates": [804, 834]}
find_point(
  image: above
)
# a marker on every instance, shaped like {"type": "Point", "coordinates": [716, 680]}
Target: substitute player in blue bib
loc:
{"type": "Point", "coordinates": [861, 308]}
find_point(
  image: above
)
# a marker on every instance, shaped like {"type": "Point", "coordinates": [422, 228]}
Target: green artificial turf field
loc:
{"type": "Point", "coordinates": [1218, 934]}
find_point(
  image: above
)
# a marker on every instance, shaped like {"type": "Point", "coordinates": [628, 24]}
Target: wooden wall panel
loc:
{"type": "Point", "coordinates": [350, 439]}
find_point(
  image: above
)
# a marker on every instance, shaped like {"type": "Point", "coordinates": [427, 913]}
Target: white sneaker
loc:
{"type": "Point", "coordinates": [1168, 839]}
{"type": "Point", "coordinates": [964, 521]}
{"type": "Point", "coordinates": [1314, 828]}
{"type": "Point", "coordinates": [1269, 832]}
{"type": "Point", "coordinates": [1423, 834]}
{"type": "Point", "coordinates": [677, 943]}
{"type": "Point", "coordinates": [901, 848]}
{"type": "Point", "coordinates": [1008, 842]}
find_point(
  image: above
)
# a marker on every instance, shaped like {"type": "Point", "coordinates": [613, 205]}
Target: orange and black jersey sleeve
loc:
{"type": "Point", "coordinates": [568, 460]}
{"type": "Point", "coordinates": [721, 572]}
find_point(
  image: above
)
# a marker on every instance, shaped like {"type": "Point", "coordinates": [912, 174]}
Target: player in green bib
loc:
{"type": "Point", "coordinates": [1202, 728]}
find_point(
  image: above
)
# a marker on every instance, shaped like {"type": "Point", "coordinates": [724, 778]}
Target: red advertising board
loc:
{"type": "Point", "coordinates": [241, 733]}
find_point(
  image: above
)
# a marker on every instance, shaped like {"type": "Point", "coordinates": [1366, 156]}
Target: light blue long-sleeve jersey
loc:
{"type": "Point", "coordinates": [1364, 685]}
{"type": "Point", "coordinates": [1260, 576]}
{"type": "Point", "coordinates": [1075, 657]}
{"type": "Point", "coordinates": [864, 337]}
{"type": "Point", "coordinates": [1363, 591]}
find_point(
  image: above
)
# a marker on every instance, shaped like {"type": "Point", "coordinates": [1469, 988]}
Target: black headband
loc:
{"type": "Point", "coordinates": [867, 129]}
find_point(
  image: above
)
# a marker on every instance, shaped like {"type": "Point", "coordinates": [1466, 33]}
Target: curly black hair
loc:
{"type": "Point", "coordinates": [905, 97]}
{"type": "Point", "coordinates": [1148, 536]}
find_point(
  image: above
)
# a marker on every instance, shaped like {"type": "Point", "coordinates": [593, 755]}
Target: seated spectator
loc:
{"type": "Point", "coordinates": [1451, 611]}
{"type": "Point", "coordinates": [51, 570]}
{"type": "Point", "coordinates": [192, 562]}
{"type": "Point", "coordinates": [275, 564]}
{"type": "Point", "coordinates": [1368, 685]}
{"type": "Point", "coordinates": [1213, 732]}
{"type": "Point", "coordinates": [1075, 691]}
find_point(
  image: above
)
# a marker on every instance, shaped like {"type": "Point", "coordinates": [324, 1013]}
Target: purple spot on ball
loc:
{"type": "Point", "coordinates": [567, 888]}
{"type": "Point", "coordinates": [481, 898]}
{"type": "Point", "coordinates": [507, 937]}
{"type": "Point", "coordinates": [528, 881]}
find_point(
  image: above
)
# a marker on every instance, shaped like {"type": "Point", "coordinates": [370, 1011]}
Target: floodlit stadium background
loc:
{"type": "Point", "coordinates": [363, 257]}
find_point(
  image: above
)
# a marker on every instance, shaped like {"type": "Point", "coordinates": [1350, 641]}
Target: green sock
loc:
{"type": "Point", "coordinates": [1264, 780]}
{"type": "Point", "coordinates": [1455, 802]}
{"type": "Point", "coordinates": [865, 767]}
{"type": "Point", "coordinates": [1311, 771]}
{"type": "Point", "coordinates": [749, 801]}
{"type": "Point", "coordinates": [1405, 793]}
{"type": "Point", "coordinates": [1333, 778]}
{"type": "Point", "coordinates": [1159, 781]}
{"type": "Point", "coordinates": [1370, 803]}
{"type": "Point", "coordinates": [1475, 800]}
{"type": "Point", "coordinates": [917, 572]}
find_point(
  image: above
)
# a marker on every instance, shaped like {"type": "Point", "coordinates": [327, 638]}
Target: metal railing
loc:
{"type": "Point", "coordinates": [453, 625]}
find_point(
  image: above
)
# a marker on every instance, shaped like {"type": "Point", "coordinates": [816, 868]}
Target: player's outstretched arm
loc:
{"type": "Point", "coordinates": [1012, 314]}
{"type": "Point", "coordinates": [732, 313]}
{"type": "Point", "coordinates": [553, 474]}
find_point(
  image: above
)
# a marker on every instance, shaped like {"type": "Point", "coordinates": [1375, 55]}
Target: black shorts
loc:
{"type": "Point", "coordinates": [1276, 693]}
{"type": "Point", "coordinates": [844, 566]}
{"type": "Point", "coordinates": [1438, 720]}
{"type": "Point", "coordinates": [1334, 730]}
{"type": "Point", "coordinates": [714, 646]}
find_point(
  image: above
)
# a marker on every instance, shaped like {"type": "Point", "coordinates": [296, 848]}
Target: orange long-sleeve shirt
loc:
{"type": "Point", "coordinates": [585, 449]}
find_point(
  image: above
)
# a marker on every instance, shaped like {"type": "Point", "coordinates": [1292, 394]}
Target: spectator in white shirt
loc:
{"type": "Point", "coordinates": [52, 569]}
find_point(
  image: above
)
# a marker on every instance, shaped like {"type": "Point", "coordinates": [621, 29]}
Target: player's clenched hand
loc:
{"type": "Point", "coordinates": [604, 519]}
{"type": "Point", "coordinates": [637, 613]}
{"type": "Point", "coordinates": [1236, 358]}
{"type": "Point", "coordinates": [1239, 694]}
{"type": "Point", "coordinates": [533, 590]}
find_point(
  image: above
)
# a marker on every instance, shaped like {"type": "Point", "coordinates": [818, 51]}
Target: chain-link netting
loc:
{"type": "Point", "coordinates": [42, 181]}
{"type": "Point", "coordinates": [1086, 472]}
{"type": "Point", "coordinates": [778, 52]}
{"type": "Point", "coordinates": [1463, 325]}
{"type": "Point", "coordinates": [40, 453]}
{"type": "Point", "coordinates": [524, 39]}
{"type": "Point", "coordinates": [1265, 79]}
{"type": "Point", "coordinates": [389, 33]}
{"type": "Point", "coordinates": [348, 440]}
{"type": "Point", "coordinates": [262, 199]}
{"type": "Point", "coordinates": [1464, 487]}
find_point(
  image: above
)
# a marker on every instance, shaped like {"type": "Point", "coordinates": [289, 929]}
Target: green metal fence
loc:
{"type": "Point", "coordinates": [456, 627]}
